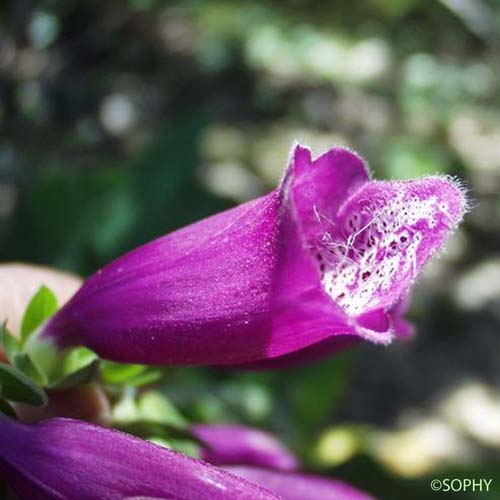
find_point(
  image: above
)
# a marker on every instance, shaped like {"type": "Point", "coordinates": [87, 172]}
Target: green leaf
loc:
{"type": "Point", "coordinates": [6, 409]}
{"type": "Point", "coordinates": [79, 377]}
{"type": "Point", "coordinates": [130, 375]}
{"type": "Point", "coordinates": [23, 362]}
{"type": "Point", "coordinates": [42, 305]}
{"type": "Point", "coordinates": [10, 344]}
{"type": "Point", "coordinates": [184, 446]}
{"type": "Point", "coordinates": [155, 407]}
{"type": "Point", "coordinates": [150, 407]}
{"type": "Point", "coordinates": [160, 441]}
{"type": "Point", "coordinates": [148, 377]}
{"type": "Point", "coordinates": [125, 410]}
{"type": "Point", "coordinates": [118, 373]}
{"type": "Point", "coordinates": [76, 359]}
{"type": "Point", "coordinates": [151, 414]}
{"type": "Point", "coordinates": [16, 386]}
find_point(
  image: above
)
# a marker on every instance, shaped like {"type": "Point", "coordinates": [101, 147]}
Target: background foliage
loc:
{"type": "Point", "coordinates": [122, 120]}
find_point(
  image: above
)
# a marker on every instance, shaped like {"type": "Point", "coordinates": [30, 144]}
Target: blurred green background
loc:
{"type": "Point", "coordinates": [122, 120]}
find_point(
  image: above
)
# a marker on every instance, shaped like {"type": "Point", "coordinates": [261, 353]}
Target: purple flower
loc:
{"type": "Point", "coordinates": [293, 486]}
{"type": "Point", "coordinates": [228, 444]}
{"type": "Point", "coordinates": [70, 459]}
{"type": "Point", "coordinates": [322, 261]}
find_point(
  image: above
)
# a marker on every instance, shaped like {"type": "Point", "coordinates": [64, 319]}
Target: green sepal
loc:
{"type": "Point", "coordinates": [146, 378]}
{"type": "Point", "coordinates": [152, 414]}
{"type": "Point", "coordinates": [125, 411]}
{"type": "Point", "coordinates": [19, 359]}
{"type": "Point", "coordinates": [188, 447]}
{"type": "Point", "coordinates": [119, 373]}
{"type": "Point", "coordinates": [6, 409]}
{"type": "Point", "coordinates": [63, 369]}
{"type": "Point", "coordinates": [150, 406]}
{"type": "Point", "coordinates": [77, 359]}
{"type": "Point", "coordinates": [24, 364]}
{"type": "Point", "coordinates": [128, 374]}
{"type": "Point", "coordinates": [150, 409]}
{"type": "Point", "coordinates": [44, 354]}
{"type": "Point", "coordinates": [16, 386]}
{"type": "Point", "coordinates": [79, 366]}
{"type": "Point", "coordinates": [155, 407]}
{"type": "Point", "coordinates": [185, 446]}
{"type": "Point", "coordinates": [147, 429]}
{"type": "Point", "coordinates": [79, 377]}
{"type": "Point", "coordinates": [38, 358]}
{"type": "Point", "coordinates": [41, 306]}
{"type": "Point", "coordinates": [11, 345]}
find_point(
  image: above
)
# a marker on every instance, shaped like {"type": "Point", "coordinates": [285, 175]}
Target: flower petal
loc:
{"type": "Point", "coordinates": [382, 236]}
{"type": "Point", "coordinates": [63, 458]}
{"type": "Point", "coordinates": [228, 444]}
{"type": "Point", "coordinates": [315, 352]}
{"type": "Point", "coordinates": [292, 486]}
{"type": "Point", "coordinates": [403, 328]}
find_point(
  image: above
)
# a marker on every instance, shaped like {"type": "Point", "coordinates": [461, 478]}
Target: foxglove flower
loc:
{"type": "Point", "coordinates": [73, 460]}
{"type": "Point", "coordinates": [324, 258]}
{"type": "Point", "coordinates": [293, 486]}
{"type": "Point", "coordinates": [227, 444]}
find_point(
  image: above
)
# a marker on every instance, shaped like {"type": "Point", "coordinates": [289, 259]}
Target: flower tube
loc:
{"type": "Point", "coordinates": [70, 459]}
{"type": "Point", "coordinates": [227, 444]}
{"type": "Point", "coordinates": [324, 258]}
